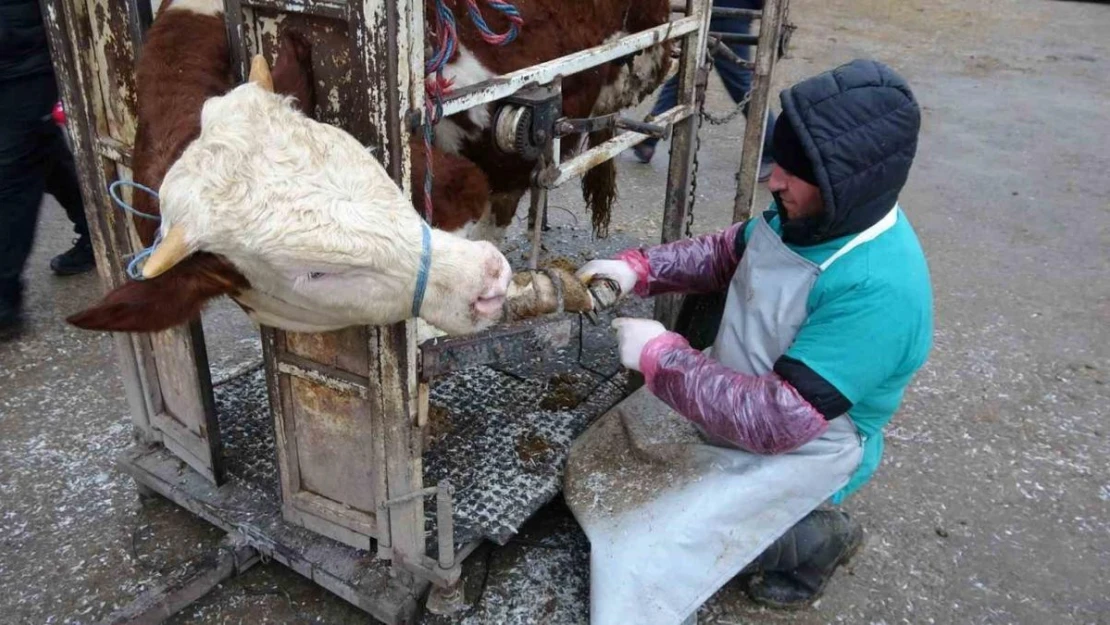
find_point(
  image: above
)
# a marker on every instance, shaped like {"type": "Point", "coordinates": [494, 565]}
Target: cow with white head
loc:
{"type": "Point", "coordinates": [315, 224]}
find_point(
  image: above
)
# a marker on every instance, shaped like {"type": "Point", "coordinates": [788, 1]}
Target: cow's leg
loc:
{"type": "Point", "coordinates": [502, 208]}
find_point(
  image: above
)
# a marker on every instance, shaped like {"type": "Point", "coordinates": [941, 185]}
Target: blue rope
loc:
{"type": "Point", "coordinates": [133, 270]}
{"type": "Point", "coordinates": [425, 266]}
{"type": "Point", "coordinates": [446, 27]}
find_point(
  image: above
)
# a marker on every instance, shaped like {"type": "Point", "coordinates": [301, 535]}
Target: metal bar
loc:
{"type": "Point", "coordinates": [323, 375]}
{"type": "Point", "coordinates": [502, 86]}
{"type": "Point", "coordinates": [500, 344]}
{"type": "Point", "coordinates": [741, 38]}
{"type": "Point", "coordinates": [553, 177]}
{"type": "Point", "coordinates": [333, 9]}
{"type": "Point", "coordinates": [416, 494]}
{"type": "Point", "coordinates": [765, 56]}
{"type": "Point", "coordinates": [537, 210]}
{"type": "Point", "coordinates": [657, 131]}
{"type": "Point", "coordinates": [683, 146]}
{"type": "Point", "coordinates": [232, 557]}
{"type": "Point", "coordinates": [718, 49]}
{"type": "Point", "coordinates": [387, 39]}
{"type": "Point", "coordinates": [445, 522]}
{"type": "Point", "coordinates": [680, 7]}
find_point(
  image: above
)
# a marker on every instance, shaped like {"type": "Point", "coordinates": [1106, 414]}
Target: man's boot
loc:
{"type": "Point", "coordinates": [795, 570]}
{"type": "Point", "coordinates": [78, 259]}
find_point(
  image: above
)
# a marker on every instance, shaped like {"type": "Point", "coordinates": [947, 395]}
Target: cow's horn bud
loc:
{"type": "Point", "coordinates": [260, 73]}
{"type": "Point", "coordinates": [170, 251]}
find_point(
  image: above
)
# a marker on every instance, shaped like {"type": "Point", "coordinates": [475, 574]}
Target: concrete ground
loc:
{"type": "Point", "coordinates": [993, 502]}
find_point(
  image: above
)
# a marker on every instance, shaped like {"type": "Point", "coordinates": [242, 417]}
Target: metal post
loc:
{"type": "Point", "coordinates": [683, 148]}
{"type": "Point", "coordinates": [770, 30]}
{"type": "Point", "coordinates": [446, 524]}
{"type": "Point", "coordinates": [390, 37]}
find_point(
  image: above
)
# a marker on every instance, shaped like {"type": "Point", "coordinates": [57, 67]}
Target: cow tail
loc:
{"type": "Point", "coordinates": [599, 188]}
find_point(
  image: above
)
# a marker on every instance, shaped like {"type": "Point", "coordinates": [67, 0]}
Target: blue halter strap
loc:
{"type": "Point", "coordinates": [425, 265]}
{"type": "Point", "coordinates": [133, 270]}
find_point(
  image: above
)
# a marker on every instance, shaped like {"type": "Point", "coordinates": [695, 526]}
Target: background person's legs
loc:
{"type": "Point", "coordinates": [737, 82]}
{"type": "Point", "coordinates": [62, 183]}
{"type": "Point", "coordinates": [24, 166]}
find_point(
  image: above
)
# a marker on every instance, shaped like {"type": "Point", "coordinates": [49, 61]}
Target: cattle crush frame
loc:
{"type": "Point", "coordinates": [349, 408]}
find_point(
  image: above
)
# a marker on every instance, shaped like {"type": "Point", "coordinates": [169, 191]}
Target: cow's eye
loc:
{"type": "Point", "coordinates": [316, 275]}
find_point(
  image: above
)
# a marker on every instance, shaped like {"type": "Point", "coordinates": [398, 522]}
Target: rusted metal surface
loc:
{"type": "Point", "coordinates": [502, 86]}
{"type": "Point", "coordinates": [333, 432]}
{"type": "Point", "coordinates": [344, 349]}
{"type": "Point", "coordinates": [505, 343]}
{"type": "Point", "coordinates": [766, 54]}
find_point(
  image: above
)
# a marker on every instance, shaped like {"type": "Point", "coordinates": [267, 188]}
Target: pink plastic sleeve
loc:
{"type": "Point", "coordinates": [760, 414]}
{"type": "Point", "coordinates": [702, 264]}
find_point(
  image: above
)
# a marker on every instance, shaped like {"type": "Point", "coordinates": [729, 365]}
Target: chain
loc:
{"type": "Point", "coordinates": [722, 120]}
{"type": "Point", "coordinates": [693, 179]}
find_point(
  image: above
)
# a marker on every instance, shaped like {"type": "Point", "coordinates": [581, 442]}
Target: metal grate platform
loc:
{"type": "Point", "coordinates": [500, 435]}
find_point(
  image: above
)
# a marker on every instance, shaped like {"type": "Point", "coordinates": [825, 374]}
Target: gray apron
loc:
{"type": "Point", "coordinates": [670, 517]}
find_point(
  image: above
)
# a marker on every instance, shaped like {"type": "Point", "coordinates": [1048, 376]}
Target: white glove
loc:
{"type": "Point", "coordinates": [618, 270]}
{"type": "Point", "coordinates": [632, 336]}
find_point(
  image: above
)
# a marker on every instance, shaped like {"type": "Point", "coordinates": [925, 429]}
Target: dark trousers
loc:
{"type": "Point", "coordinates": [737, 80]}
{"type": "Point", "coordinates": [34, 160]}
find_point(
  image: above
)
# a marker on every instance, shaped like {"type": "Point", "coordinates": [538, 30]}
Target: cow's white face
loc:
{"type": "Point", "coordinates": [313, 221]}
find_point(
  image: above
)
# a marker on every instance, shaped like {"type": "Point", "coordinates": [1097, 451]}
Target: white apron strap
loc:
{"type": "Point", "coordinates": [881, 226]}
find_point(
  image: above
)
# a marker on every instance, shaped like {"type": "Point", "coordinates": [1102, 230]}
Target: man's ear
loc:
{"type": "Point", "coordinates": [171, 299]}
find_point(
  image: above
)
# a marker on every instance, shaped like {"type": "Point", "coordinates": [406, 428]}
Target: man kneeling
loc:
{"type": "Point", "coordinates": [828, 317]}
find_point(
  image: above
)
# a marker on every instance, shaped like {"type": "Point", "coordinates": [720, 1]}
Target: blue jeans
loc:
{"type": "Point", "coordinates": [737, 80]}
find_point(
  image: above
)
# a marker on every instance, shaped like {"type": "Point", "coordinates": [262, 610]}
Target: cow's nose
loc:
{"type": "Point", "coordinates": [499, 274]}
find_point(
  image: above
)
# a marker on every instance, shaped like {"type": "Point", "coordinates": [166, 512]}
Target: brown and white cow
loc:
{"type": "Point", "coordinates": [320, 267]}
{"type": "Point", "coordinates": [552, 28]}
{"type": "Point", "coordinates": [292, 218]}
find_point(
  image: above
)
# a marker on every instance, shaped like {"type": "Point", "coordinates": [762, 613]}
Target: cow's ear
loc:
{"type": "Point", "coordinates": [171, 299]}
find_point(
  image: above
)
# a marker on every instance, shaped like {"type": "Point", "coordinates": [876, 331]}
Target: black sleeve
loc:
{"type": "Point", "coordinates": [815, 389]}
{"type": "Point", "coordinates": [740, 244]}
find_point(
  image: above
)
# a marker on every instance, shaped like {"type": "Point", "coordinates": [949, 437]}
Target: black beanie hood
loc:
{"type": "Point", "coordinates": [858, 125]}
